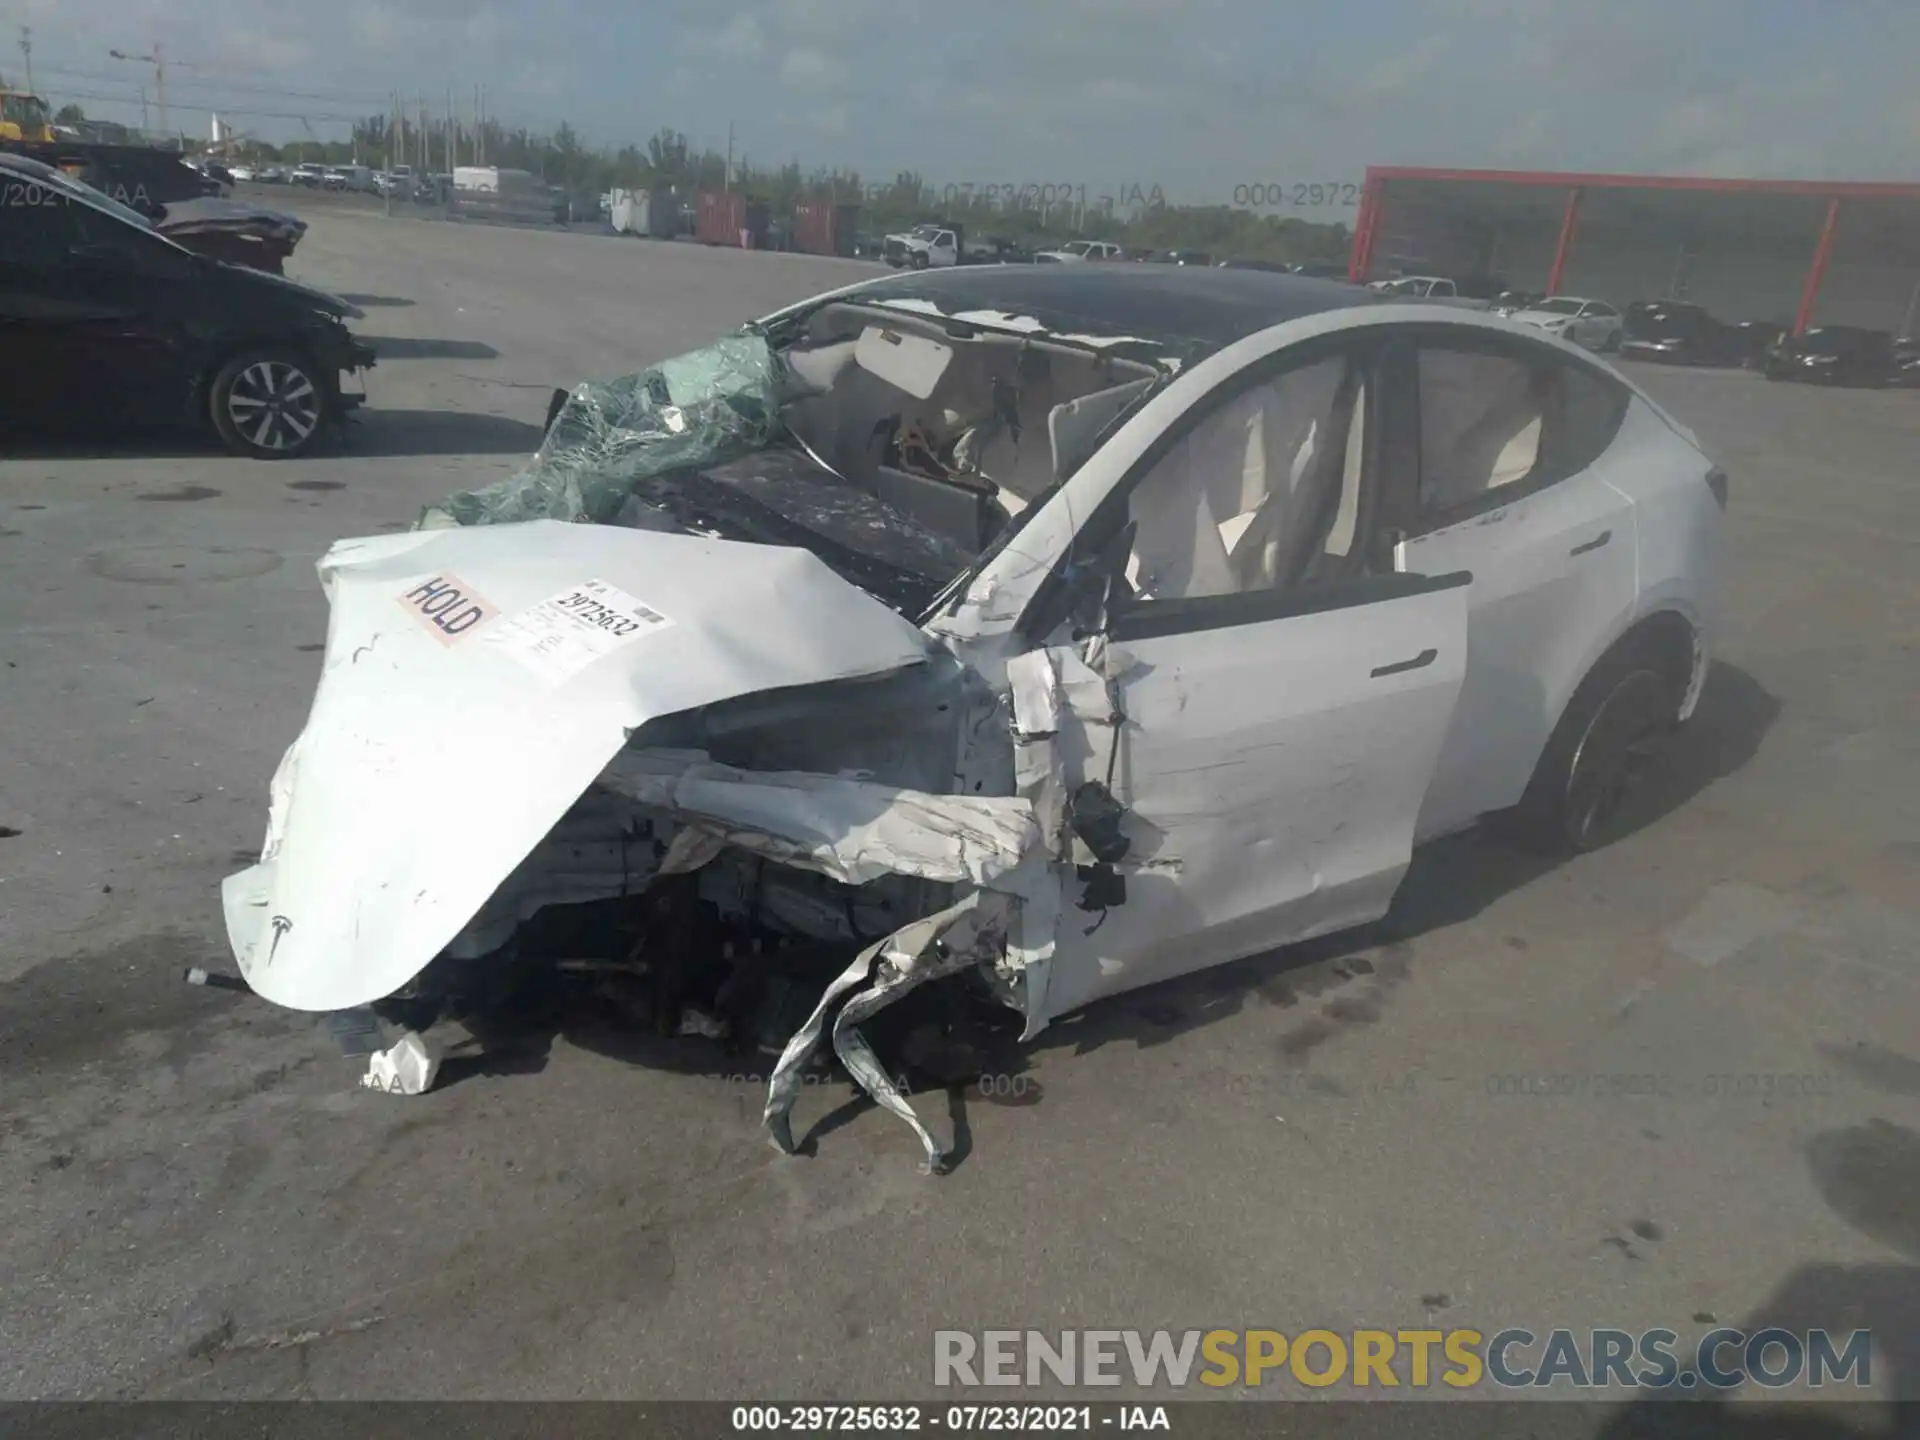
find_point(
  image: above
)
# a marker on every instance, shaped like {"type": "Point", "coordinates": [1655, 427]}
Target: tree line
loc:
{"type": "Point", "coordinates": [670, 162]}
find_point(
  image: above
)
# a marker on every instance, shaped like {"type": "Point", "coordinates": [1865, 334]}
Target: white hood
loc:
{"type": "Point", "coordinates": [476, 682]}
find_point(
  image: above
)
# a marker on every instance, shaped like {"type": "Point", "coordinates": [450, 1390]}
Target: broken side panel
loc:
{"type": "Point", "coordinates": [1272, 757]}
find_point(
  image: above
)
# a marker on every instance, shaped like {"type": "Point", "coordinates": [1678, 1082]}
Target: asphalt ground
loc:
{"type": "Point", "coordinates": [1674, 1083]}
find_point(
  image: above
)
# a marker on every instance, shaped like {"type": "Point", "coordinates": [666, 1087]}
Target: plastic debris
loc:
{"type": "Point", "coordinates": [409, 1068]}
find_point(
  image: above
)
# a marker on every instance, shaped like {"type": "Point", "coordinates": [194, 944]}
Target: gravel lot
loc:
{"type": "Point", "coordinates": [190, 1181]}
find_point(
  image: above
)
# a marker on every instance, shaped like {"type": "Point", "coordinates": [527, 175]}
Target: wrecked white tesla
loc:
{"type": "Point", "coordinates": [1068, 628]}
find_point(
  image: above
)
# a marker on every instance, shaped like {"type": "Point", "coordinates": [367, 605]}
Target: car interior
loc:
{"type": "Point", "coordinates": [1267, 491]}
{"type": "Point", "coordinates": [960, 434]}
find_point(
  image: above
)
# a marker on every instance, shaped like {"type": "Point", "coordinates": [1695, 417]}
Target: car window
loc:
{"type": "Point", "coordinates": [1254, 493]}
{"type": "Point", "coordinates": [1558, 307]}
{"type": "Point", "coordinates": [1606, 312]}
{"type": "Point", "coordinates": [36, 222]}
{"type": "Point", "coordinates": [1494, 421]}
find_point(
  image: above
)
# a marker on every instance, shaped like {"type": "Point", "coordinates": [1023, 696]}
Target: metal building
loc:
{"type": "Point", "coordinates": [1793, 252]}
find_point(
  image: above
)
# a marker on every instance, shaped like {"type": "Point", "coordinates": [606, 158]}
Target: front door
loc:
{"type": "Point", "coordinates": [1274, 751]}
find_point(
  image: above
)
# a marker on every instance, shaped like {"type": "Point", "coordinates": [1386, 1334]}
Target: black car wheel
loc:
{"type": "Point", "coordinates": [268, 404]}
{"type": "Point", "coordinates": [919, 259]}
{"type": "Point", "coordinates": [1576, 799]}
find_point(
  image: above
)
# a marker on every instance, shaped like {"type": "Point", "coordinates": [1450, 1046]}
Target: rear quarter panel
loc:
{"type": "Point", "coordinates": [1680, 531]}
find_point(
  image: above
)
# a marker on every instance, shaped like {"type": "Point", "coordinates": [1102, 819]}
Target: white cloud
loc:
{"type": "Point", "coordinates": [809, 70]}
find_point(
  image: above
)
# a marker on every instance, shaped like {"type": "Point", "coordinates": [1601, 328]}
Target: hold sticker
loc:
{"type": "Point", "coordinates": [447, 606]}
{"type": "Point", "coordinates": [560, 637]}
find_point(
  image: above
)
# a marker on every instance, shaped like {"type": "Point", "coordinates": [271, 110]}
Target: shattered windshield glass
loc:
{"type": "Point", "coordinates": [698, 445]}
{"type": "Point", "coordinates": [611, 438]}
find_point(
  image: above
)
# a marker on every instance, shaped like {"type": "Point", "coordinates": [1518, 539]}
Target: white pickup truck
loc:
{"type": "Point", "coordinates": [925, 247]}
{"type": "Point", "coordinates": [1077, 251]}
{"type": "Point", "coordinates": [1434, 289]}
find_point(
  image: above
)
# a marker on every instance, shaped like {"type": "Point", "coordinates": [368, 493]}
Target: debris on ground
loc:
{"type": "Point", "coordinates": [409, 1068]}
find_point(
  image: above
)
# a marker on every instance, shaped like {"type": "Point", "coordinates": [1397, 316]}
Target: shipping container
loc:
{"type": "Point", "coordinates": [823, 228]}
{"type": "Point", "coordinates": [726, 217]}
{"type": "Point", "coordinates": [638, 212]}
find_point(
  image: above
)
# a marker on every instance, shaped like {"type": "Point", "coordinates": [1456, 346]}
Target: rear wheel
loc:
{"type": "Point", "coordinates": [268, 404]}
{"type": "Point", "coordinates": [1577, 798]}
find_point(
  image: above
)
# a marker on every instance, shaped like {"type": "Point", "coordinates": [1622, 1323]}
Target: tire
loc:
{"type": "Point", "coordinates": [269, 404]}
{"type": "Point", "coordinates": [919, 259]}
{"type": "Point", "coordinates": [1573, 802]}
{"type": "Point", "coordinates": [1612, 345]}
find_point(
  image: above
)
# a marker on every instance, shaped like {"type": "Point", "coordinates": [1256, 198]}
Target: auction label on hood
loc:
{"type": "Point", "coordinates": [560, 637]}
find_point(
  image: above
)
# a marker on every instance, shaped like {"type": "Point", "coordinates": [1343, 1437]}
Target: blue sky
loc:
{"type": "Point", "coordinates": [1195, 97]}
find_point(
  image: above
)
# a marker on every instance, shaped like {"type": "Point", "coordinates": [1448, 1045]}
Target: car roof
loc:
{"type": "Point", "coordinates": [1213, 305]}
{"type": "Point", "coordinates": [26, 165]}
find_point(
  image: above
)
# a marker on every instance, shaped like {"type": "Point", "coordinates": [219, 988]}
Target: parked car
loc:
{"type": "Point", "coordinates": [1323, 269]}
{"type": "Point", "coordinates": [310, 175]}
{"type": "Point", "coordinates": [1273, 267]}
{"type": "Point", "coordinates": [1199, 697]}
{"type": "Point", "coordinates": [271, 175]}
{"type": "Point", "coordinates": [1592, 323]}
{"type": "Point", "coordinates": [1753, 339]}
{"type": "Point", "coordinates": [1906, 360]}
{"type": "Point", "coordinates": [1677, 333]}
{"type": "Point", "coordinates": [1078, 251]}
{"type": "Point", "coordinates": [241, 170]}
{"type": "Point", "coordinates": [994, 250]}
{"type": "Point", "coordinates": [1183, 257]}
{"type": "Point", "coordinates": [359, 178]}
{"type": "Point", "coordinates": [234, 231]}
{"type": "Point", "coordinates": [256, 358]}
{"type": "Point", "coordinates": [1512, 302]}
{"type": "Point", "coordinates": [213, 170]}
{"type": "Point", "coordinates": [1834, 355]}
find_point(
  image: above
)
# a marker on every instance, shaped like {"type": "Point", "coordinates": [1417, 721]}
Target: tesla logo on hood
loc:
{"type": "Point", "coordinates": [281, 925]}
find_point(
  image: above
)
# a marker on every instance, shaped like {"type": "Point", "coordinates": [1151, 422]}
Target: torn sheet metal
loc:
{"type": "Point", "coordinates": [476, 682]}
{"type": "Point", "coordinates": [708, 405]}
{"type": "Point", "coordinates": [969, 932]}
{"type": "Point", "coordinates": [853, 830]}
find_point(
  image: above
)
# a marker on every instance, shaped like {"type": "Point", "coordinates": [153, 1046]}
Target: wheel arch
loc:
{"type": "Point", "coordinates": [1669, 635]}
{"type": "Point", "coordinates": [219, 356]}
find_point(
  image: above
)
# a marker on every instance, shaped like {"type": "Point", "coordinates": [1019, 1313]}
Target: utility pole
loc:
{"type": "Point", "coordinates": [393, 136]}
{"type": "Point", "coordinates": [26, 53]}
{"type": "Point", "coordinates": [449, 151]}
{"type": "Point", "coordinates": [159, 81]}
{"type": "Point", "coordinates": [726, 183]}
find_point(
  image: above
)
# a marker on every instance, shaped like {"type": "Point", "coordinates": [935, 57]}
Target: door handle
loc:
{"type": "Point", "coordinates": [1418, 662]}
{"type": "Point", "coordinates": [1594, 544]}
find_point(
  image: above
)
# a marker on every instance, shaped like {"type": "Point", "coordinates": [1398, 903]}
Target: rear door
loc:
{"type": "Point", "coordinates": [1509, 433]}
